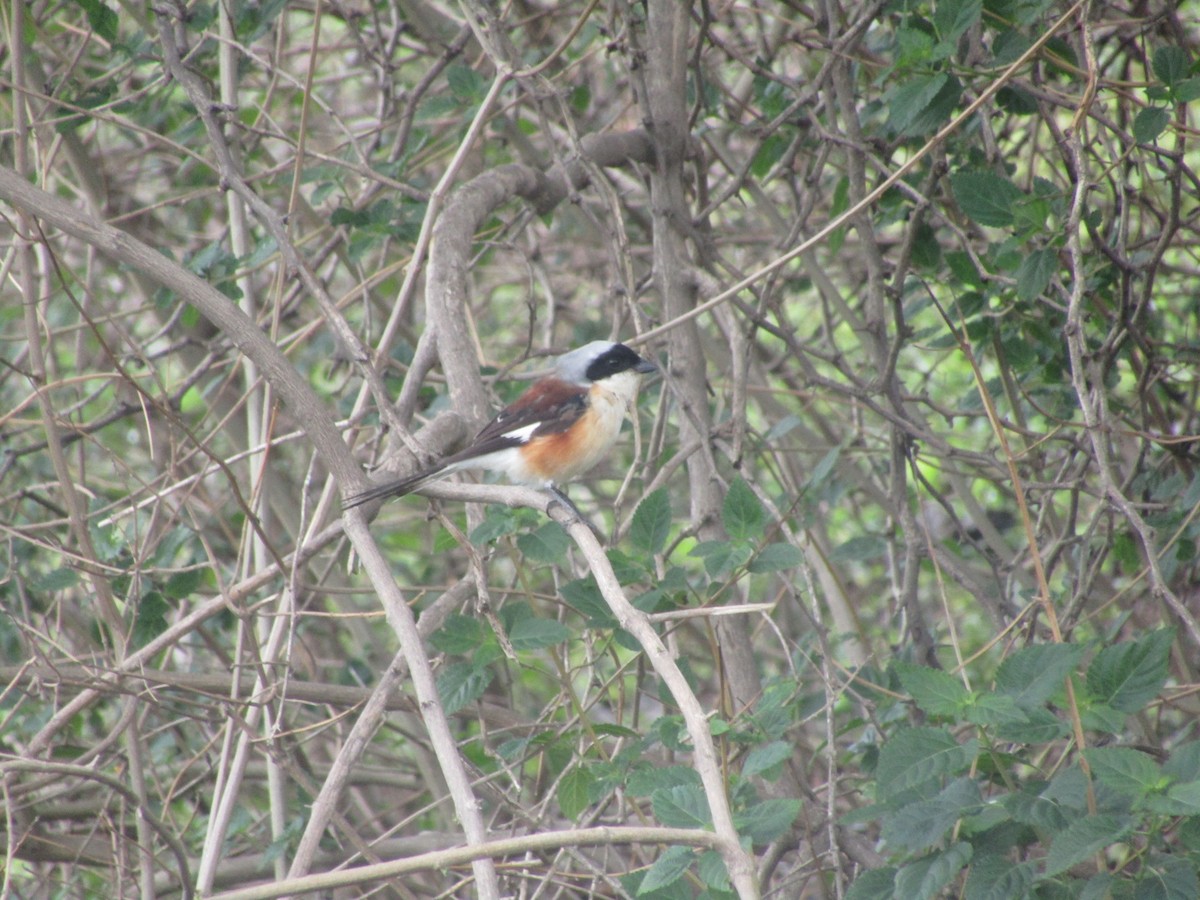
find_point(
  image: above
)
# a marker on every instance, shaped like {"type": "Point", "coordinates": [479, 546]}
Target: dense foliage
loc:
{"type": "Point", "coordinates": [908, 525]}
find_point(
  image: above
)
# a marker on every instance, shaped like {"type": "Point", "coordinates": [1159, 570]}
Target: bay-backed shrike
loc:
{"type": "Point", "coordinates": [559, 428]}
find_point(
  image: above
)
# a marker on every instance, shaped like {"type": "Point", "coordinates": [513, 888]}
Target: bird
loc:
{"type": "Point", "coordinates": [561, 427]}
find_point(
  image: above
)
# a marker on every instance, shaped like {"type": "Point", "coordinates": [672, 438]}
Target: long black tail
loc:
{"type": "Point", "coordinates": [397, 488]}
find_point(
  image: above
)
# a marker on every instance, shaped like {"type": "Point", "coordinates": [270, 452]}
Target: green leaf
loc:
{"type": "Point", "coordinates": [986, 199]}
{"type": "Point", "coordinates": [874, 884]}
{"type": "Point", "coordinates": [1129, 675]}
{"type": "Point", "coordinates": [767, 757]}
{"type": "Point", "coordinates": [937, 693]}
{"type": "Point", "coordinates": [651, 522]}
{"type": "Point", "coordinates": [183, 584]}
{"type": "Point", "coordinates": [1184, 763]}
{"type": "Point", "coordinates": [922, 103]}
{"type": "Point", "coordinates": [775, 558]}
{"type": "Point", "coordinates": [55, 580]}
{"type": "Point", "coordinates": [820, 472]}
{"type": "Point", "coordinates": [534, 633]}
{"type": "Point", "coordinates": [1185, 798]}
{"type": "Point", "coordinates": [1000, 709]}
{"type": "Point", "coordinates": [102, 19]}
{"type": "Point", "coordinates": [770, 151]}
{"type": "Point", "coordinates": [667, 869]}
{"type": "Point", "coordinates": [1171, 65]}
{"type": "Point", "coordinates": [646, 780]}
{"type": "Point", "coordinates": [920, 825]}
{"type": "Point", "coordinates": [683, 806]}
{"type": "Point", "coordinates": [925, 878]}
{"type": "Point", "coordinates": [1125, 770]}
{"type": "Point", "coordinates": [151, 618]}
{"type": "Point", "coordinates": [1168, 878]}
{"type": "Point", "coordinates": [547, 544]}
{"type": "Point", "coordinates": [1034, 273]}
{"type": "Point", "coordinates": [1033, 675]}
{"type": "Point", "coordinates": [1187, 90]}
{"type": "Point", "coordinates": [712, 872]}
{"type": "Point", "coordinates": [742, 514]}
{"type": "Point", "coordinates": [572, 793]}
{"type": "Point", "coordinates": [497, 522]}
{"type": "Point", "coordinates": [915, 756]}
{"type": "Point", "coordinates": [952, 18]}
{"type": "Point", "coordinates": [1084, 838]}
{"type": "Point", "coordinates": [466, 84]}
{"type": "Point", "coordinates": [859, 548]}
{"type": "Point", "coordinates": [1149, 123]}
{"type": "Point", "coordinates": [1033, 809]}
{"type": "Point", "coordinates": [583, 595]}
{"type": "Point", "coordinates": [461, 684]}
{"type": "Point", "coordinates": [767, 821]}
{"type": "Point", "coordinates": [722, 557]}
{"type": "Point", "coordinates": [459, 635]}
{"type": "Point", "coordinates": [994, 877]}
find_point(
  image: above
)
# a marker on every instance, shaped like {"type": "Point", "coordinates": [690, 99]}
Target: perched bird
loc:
{"type": "Point", "coordinates": [559, 428]}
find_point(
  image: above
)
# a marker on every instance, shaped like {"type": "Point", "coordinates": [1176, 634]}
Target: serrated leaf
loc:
{"type": "Point", "coordinates": [938, 693]}
{"type": "Point", "coordinates": [1125, 770]}
{"type": "Point", "coordinates": [923, 103]}
{"type": "Point", "coordinates": [1082, 839]}
{"type": "Point", "coordinates": [920, 825]}
{"type": "Point", "coordinates": [546, 544]}
{"type": "Point", "coordinates": [1187, 90]}
{"type": "Point", "coordinates": [860, 548]}
{"type": "Point", "coordinates": [820, 472]}
{"type": "Point", "coordinates": [1185, 798]}
{"type": "Point", "coordinates": [874, 884]}
{"type": "Point", "coordinates": [775, 558]}
{"type": "Point", "coordinates": [683, 806]}
{"type": "Point", "coordinates": [952, 18]}
{"type": "Point", "coordinates": [1171, 65]}
{"type": "Point", "coordinates": [651, 522]}
{"type": "Point", "coordinates": [1032, 675]}
{"type": "Point", "coordinates": [712, 872]}
{"type": "Point", "coordinates": [459, 635]}
{"type": "Point", "coordinates": [1034, 273]}
{"type": "Point", "coordinates": [572, 793]}
{"type": "Point", "coordinates": [1035, 810]}
{"type": "Point", "coordinates": [766, 757]}
{"type": "Point", "coordinates": [1130, 674]}
{"type": "Point", "coordinates": [497, 522]}
{"type": "Point", "coordinates": [1184, 762]}
{"type": "Point", "coordinates": [55, 580]}
{"type": "Point", "coordinates": [667, 869]}
{"type": "Point", "coordinates": [925, 878]}
{"type": "Point", "coordinates": [741, 513]}
{"type": "Point", "coordinates": [583, 595]}
{"type": "Point", "coordinates": [722, 557]}
{"type": "Point", "coordinates": [985, 198]}
{"type": "Point", "coordinates": [999, 709]}
{"type": "Point", "coordinates": [915, 756]}
{"type": "Point", "coordinates": [461, 684]}
{"type": "Point", "coordinates": [994, 877]}
{"type": "Point", "coordinates": [1168, 878]}
{"type": "Point", "coordinates": [102, 19]}
{"type": "Point", "coordinates": [181, 585]}
{"type": "Point", "coordinates": [648, 779]}
{"type": "Point", "coordinates": [465, 83]}
{"type": "Point", "coordinates": [908, 100]}
{"type": "Point", "coordinates": [767, 821]}
{"type": "Point", "coordinates": [151, 620]}
{"type": "Point", "coordinates": [1149, 123]}
{"type": "Point", "coordinates": [534, 633]}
